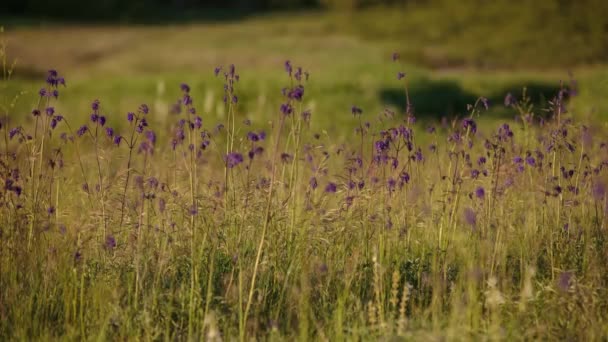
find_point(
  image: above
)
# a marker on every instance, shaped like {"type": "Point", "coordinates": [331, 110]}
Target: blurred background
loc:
{"type": "Point", "coordinates": [127, 52]}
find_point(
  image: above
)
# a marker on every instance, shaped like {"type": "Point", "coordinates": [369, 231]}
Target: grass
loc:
{"type": "Point", "coordinates": [174, 244]}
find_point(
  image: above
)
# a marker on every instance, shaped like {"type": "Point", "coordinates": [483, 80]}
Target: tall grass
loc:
{"type": "Point", "coordinates": [253, 230]}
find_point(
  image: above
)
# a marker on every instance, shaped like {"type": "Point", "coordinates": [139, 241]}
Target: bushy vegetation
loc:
{"type": "Point", "coordinates": [177, 227]}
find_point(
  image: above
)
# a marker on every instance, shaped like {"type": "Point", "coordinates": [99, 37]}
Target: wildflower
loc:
{"type": "Point", "coordinates": [82, 130]}
{"type": "Point", "coordinates": [395, 56]}
{"type": "Point", "coordinates": [151, 136]}
{"type": "Point", "coordinates": [42, 92]}
{"type": "Point", "coordinates": [109, 132]}
{"type": "Point", "coordinates": [530, 161]}
{"type": "Point", "coordinates": [53, 123]}
{"type": "Point", "coordinates": [144, 109]}
{"type": "Point", "coordinates": [288, 67]}
{"type": "Point", "coordinates": [286, 109]}
{"type": "Point", "coordinates": [110, 242]}
{"type": "Point", "coordinates": [217, 70]}
{"type": "Point", "coordinates": [313, 183]}
{"type": "Point", "coordinates": [233, 159]}
{"type": "Point", "coordinates": [185, 88]}
{"type": "Point", "coordinates": [400, 75]}
{"type": "Point", "coordinates": [469, 124]}
{"type": "Point", "coordinates": [252, 136]}
{"type": "Point", "coordinates": [50, 210]}
{"type": "Point", "coordinates": [117, 139]}
{"type": "Point", "coordinates": [50, 111]}
{"type": "Point", "coordinates": [356, 110]}
{"type": "Point", "coordinates": [481, 161]}
{"type": "Point", "coordinates": [480, 192]}
{"type": "Point", "coordinates": [130, 116]}
{"type": "Point", "coordinates": [36, 112]}
{"type": "Point", "coordinates": [331, 187]}
{"type": "Point", "coordinates": [95, 105]}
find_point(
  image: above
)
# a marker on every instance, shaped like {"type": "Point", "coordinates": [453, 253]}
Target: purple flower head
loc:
{"type": "Point", "coordinates": [474, 173]}
{"type": "Point", "coordinates": [102, 120]}
{"type": "Point", "coordinates": [151, 136]}
{"type": "Point", "coordinates": [405, 177]}
{"type": "Point", "coordinates": [530, 161]}
{"type": "Point", "coordinates": [144, 109]}
{"type": "Point", "coordinates": [36, 112]}
{"type": "Point", "coordinates": [50, 111]}
{"type": "Point", "coordinates": [395, 56]}
{"type": "Point", "coordinates": [110, 132]}
{"type": "Point", "coordinates": [480, 192]}
{"type": "Point", "coordinates": [193, 210]}
{"type": "Point", "coordinates": [400, 75]}
{"type": "Point", "coordinates": [217, 70]}
{"type": "Point", "coordinates": [55, 93]}
{"type": "Point", "coordinates": [184, 87]}
{"type": "Point", "coordinates": [331, 187]}
{"type": "Point", "coordinates": [95, 105]}
{"type": "Point", "coordinates": [233, 159]}
{"type": "Point", "coordinates": [110, 242]}
{"type": "Point", "coordinates": [469, 124]}
{"type": "Point", "coordinates": [288, 67]}
{"type": "Point", "coordinates": [42, 92]}
{"type": "Point", "coordinates": [94, 117]}
{"type": "Point", "coordinates": [130, 116]}
{"type": "Point", "coordinates": [313, 183]}
{"type": "Point", "coordinates": [286, 109]}
{"type": "Point", "coordinates": [252, 136]}
{"type": "Point", "coordinates": [53, 123]}
{"type": "Point", "coordinates": [518, 160]}
{"type": "Point", "coordinates": [356, 110]}
{"type": "Point", "coordinates": [117, 140]}
{"type": "Point", "coordinates": [296, 93]}
{"type": "Point", "coordinates": [187, 100]}
{"type": "Point", "coordinates": [198, 122]}
{"type": "Point", "coordinates": [50, 210]}
{"type": "Point", "coordinates": [82, 130]}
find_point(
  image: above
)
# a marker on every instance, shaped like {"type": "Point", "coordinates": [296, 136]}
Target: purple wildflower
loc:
{"type": "Point", "coordinates": [82, 130]}
{"type": "Point", "coordinates": [313, 183]}
{"type": "Point", "coordinates": [400, 75]}
{"type": "Point", "coordinates": [331, 187]}
{"type": "Point", "coordinates": [130, 116]}
{"type": "Point", "coordinates": [110, 242]}
{"type": "Point", "coordinates": [233, 159]}
{"type": "Point", "coordinates": [480, 192]}
{"type": "Point", "coordinates": [356, 110]}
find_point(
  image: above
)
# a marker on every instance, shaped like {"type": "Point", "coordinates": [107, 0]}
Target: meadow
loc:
{"type": "Point", "coordinates": [294, 178]}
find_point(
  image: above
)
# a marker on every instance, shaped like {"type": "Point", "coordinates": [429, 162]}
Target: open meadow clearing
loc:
{"type": "Point", "coordinates": [323, 175]}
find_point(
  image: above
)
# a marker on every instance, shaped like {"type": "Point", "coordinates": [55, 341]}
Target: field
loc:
{"type": "Point", "coordinates": [294, 176]}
